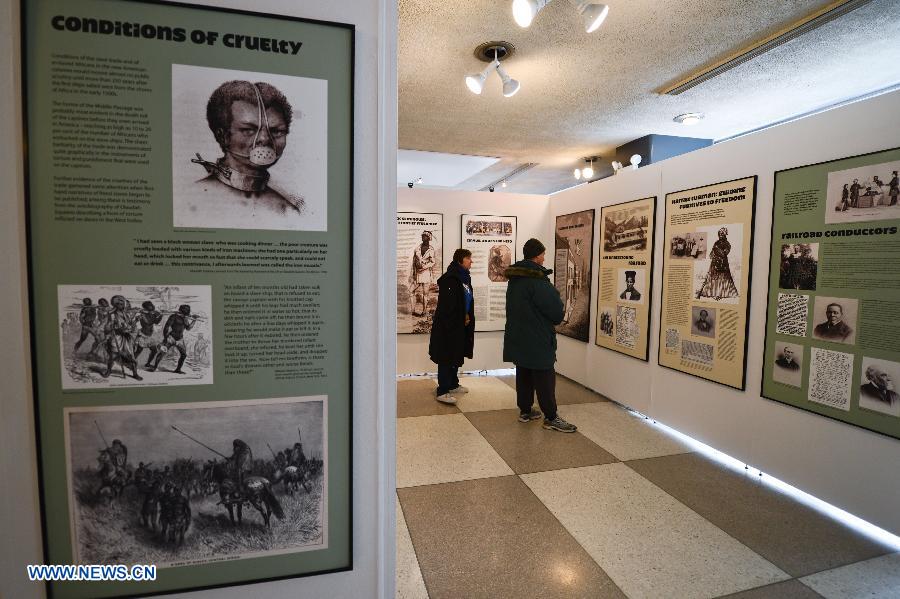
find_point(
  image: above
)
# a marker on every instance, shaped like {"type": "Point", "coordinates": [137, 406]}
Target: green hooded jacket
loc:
{"type": "Point", "coordinates": [533, 309]}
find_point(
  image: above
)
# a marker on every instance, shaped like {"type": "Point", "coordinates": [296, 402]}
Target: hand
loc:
{"type": "Point", "coordinates": [468, 320]}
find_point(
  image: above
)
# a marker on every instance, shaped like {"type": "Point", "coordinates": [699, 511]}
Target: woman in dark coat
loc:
{"type": "Point", "coordinates": [453, 327]}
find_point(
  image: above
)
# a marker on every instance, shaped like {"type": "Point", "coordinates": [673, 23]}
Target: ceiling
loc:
{"type": "Point", "coordinates": [585, 94]}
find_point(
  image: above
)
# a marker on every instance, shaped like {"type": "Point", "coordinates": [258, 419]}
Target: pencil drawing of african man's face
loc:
{"type": "Point", "coordinates": [245, 125]}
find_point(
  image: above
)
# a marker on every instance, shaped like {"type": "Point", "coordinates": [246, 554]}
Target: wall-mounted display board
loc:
{"type": "Point", "coordinates": [420, 263]}
{"type": "Point", "coordinates": [706, 281]}
{"type": "Point", "coordinates": [492, 241]}
{"type": "Point", "coordinates": [573, 261]}
{"type": "Point", "coordinates": [190, 245]}
{"type": "Point", "coordinates": [627, 234]}
{"type": "Point", "coordinates": [834, 291]}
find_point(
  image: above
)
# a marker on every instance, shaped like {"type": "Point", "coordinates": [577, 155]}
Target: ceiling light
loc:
{"type": "Point", "coordinates": [593, 14]}
{"type": "Point", "coordinates": [689, 118]}
{"type": "Point", "coordinates": [577, 173]}
{"type": "Point", "coordinates": [588, 171]}
{"type": "Point", "coordinates": [503, 184]}
{"type": "Point", "coordinates": [524, 11]}
{"type": "Point", "coordinates": [419, 181]}
{"type": "Point", "coordinates": [475, 81]}
{"type": "Point", "coordinates": [635, 160]}
{"type": "Point", "coordinates": [510, 85]}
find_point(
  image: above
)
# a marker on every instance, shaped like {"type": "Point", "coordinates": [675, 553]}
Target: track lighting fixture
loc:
{"type": "Point", "coordinates": [475, 82]}
{"type": "Point", "coordinates": [593, 13]}
{"type": "Point", "coordinates": [587, 172]}
{"type": "Point", "coordinates": [499, 51]}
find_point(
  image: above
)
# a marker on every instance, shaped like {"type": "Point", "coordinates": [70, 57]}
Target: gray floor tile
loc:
{"type": "Point", "coordinates": [415, 397]}
{"type": "Point", "coordinates": [789, 589]}
{"type": "Point", "coordinates": [531, 448]}
{"type": "Point", "coordinates": [796, 538]}
{"type": "Point", "coordinates": [877, 578]}
{"type": "Point", "coordinates": [493, 539]}
{"type": "Point", "coordinates": [410, 584]}
{"type": "Point", "coordinates": [567, 390]}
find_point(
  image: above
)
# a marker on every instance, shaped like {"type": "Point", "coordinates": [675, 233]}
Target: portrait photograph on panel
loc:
{"type": "Point", "coordinates": [788, 364]}
{"type": "Point", "coordinates": [249, 150]}
{"type": "Point", "coordinates": [878, 390]}
{"type": "Point", "coordinates": [799, 266]}
{"type": "Point", "coordinates": [703, 321]}
{"type": "Point", "coordinates": [632, 285]}
{"type": "Point", "coordinates": [688, 245]}
{"type": "Point", "coordinates": [834, 319]}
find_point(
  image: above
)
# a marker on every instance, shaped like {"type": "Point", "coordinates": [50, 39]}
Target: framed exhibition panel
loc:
{"type": "Point", "coordinates": [573, 261]}
{"type": "Point", "coordinates": [190, 250]}
{"type": "Point", "coordinates": [706, 281]}
{"type": "Point", "coordinates": [492, 241]}
{"type": "Point", "coordinates": [834, 290]}
{"type": "Point", "coordinates": [624, 303]}
{"type": "Point", "coordinates": [420, 263]}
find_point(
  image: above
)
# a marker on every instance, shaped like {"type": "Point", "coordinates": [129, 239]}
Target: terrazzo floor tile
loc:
{"type": "Point", "coordinates": [531, 448]}
{"type": "Point", "coordinates": [440, 449]}
{"type": "Point", "coordinates": [624, 435]}
{"type": "Point", "coordinates": [493, 539]}
{"type": "Point", "coordinates": [416, 398]}
{"type": "Point", "coordinates": [877, 578]}
{"type": "Point", "coordinates": [485, 393]}
{"type": "Point", "coordinates": [650, 544]}
{"type": "Point", "coordinates": [789, 589]}
{"type": "Point", "coordinates": [410, 584]}
{"type": "Point", "coordinates": [567, 391]}
{"type": "Point", "coordinates": [796, 538]}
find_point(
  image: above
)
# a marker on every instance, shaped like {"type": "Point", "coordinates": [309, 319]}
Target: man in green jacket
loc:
{"type": "Point", "coordinates": [533, 309]}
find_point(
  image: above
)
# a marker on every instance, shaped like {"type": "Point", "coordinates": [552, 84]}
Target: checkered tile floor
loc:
{"type": "Point", "coordinates": [489, 507]}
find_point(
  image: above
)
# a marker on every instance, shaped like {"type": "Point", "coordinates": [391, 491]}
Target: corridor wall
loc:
{"type": "Point", "coordinates": [852, 468]}
{"type": "Point", "coordinates": [533, 216]}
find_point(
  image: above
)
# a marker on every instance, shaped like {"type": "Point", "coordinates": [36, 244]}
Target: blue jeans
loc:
{"type": "Point", "coordinates": [447, 378]}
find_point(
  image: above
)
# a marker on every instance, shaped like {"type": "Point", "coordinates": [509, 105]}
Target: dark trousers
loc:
{"type": "Point", "coordinates": [447, 378]}
{"type": "Point", "coordinates": [529, 381]}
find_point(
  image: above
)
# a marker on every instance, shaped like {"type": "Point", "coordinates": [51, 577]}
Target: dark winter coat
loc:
{"type": "Point", "coordinates": [533, 309]}
{"type": "Point", "coordinates": [451, 340]}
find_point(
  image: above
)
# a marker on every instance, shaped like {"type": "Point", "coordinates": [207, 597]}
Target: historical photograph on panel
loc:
{"type": "Point", "coordinates": [878, 386]}
{"type": "Point", "coordinates": [626, 229]}
{"type": "Point", "coordinates": [632, 285]}
{"type": "Point", "coordinates": [500, 259]}
{"type": "Point", "coordinates": [799, 266]}
{"type": "Point", "coordinates": [788, 361]}
{"type": "Point", "coordinates": [627, 328]}
{"type": "Point", "coordinates": [574, 240]}
{"type": "Point", "coordinates": [834, 319]}
{"type": "Point", "coordinates": [181, 484]}
{"type": "Point", "coordinates": [688, 245]}
{"type": "Point", "coordinates": [717, 278]}
{"type": "Point", "coordinates": [865, 193]}
{"type": "Point", "coordinates": [249, 150]}
{"type": "Point", "coordinates": [135, 335]}
{"type": "Point", "coordinates": [420, 242]}
{"type": "Point", "coordinates": [703, 321]}
{"type": "Point", "coordinates": [605, 321]}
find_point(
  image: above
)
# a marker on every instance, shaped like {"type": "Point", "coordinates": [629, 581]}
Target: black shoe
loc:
{"type": "Point", "coordinates": [558, 424]}
{"type": "Point", "coordinates": [529, 416]}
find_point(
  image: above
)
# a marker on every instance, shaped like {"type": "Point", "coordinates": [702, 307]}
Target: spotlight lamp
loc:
{"type": "Point", "coordinates": [577, 174]}
{"type": "Point", "coordinates": [635, 161]}
{"type": "Point", "coordinates": [588, 171]}
{"type": "Point", "coordinates": [593, 13]}
{"type": "Point", "coordinates": [475, 81]}
{"type": "Point", "coordinates": [689, 118]}
{"type": "Point", "coordinates": [503, 184]}
{"type": "Point", "coordinates": [616, 166]}
{"type": "Point", "coordinates": [510, 85]}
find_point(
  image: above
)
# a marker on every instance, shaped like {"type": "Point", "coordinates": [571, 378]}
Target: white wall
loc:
{"type": "Point", "coordinates": [847, 466]}
{"type": "Point", "coordinates": [533, 220]}
{"type": "Point", "coordinates": [373, 358]}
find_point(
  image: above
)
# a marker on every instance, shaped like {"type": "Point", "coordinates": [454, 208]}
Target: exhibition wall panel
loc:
{"type": "Point", "coordinates": [374, 167]}
{"type": "Point", "coordinates": [532, 214]}
{"type": "Point", "coordinates": [839, 463]}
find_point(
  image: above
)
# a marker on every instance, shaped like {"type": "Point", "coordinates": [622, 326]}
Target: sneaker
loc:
{"type": "Point", "coordinates": [529, 416]}
{"type": "Point", "coordinates": [447, 399]}
{"type": "Point", "coordinates": [558, 424]}
{"type": "Point", "coordinates": [459, 389]}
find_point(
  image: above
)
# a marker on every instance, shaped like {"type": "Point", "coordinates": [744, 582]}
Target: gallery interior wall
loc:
{"type": "Point", "coordinates": [533, 216]}
{"type": "Point", "coordinates": [850, 467]}
{"type": "Point", "coordinates": [374, 211]}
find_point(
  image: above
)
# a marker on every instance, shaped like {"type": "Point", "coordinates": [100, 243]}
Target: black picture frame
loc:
{"type": "Point", "coordinates": [590, 278]}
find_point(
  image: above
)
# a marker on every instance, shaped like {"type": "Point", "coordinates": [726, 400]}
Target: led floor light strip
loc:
{"type": "Point", "coordinates": [856, 523]}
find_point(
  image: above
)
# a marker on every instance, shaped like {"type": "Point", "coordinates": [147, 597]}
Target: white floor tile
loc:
{"type": "Point", "coordinates": [877, 578]}
{"type": "Point", "coordinates": [485, 393]}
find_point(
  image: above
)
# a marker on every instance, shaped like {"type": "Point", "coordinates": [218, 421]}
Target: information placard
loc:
{"type": "Point", "coordinates": [190, 242]}
{"type": "Point", "coordinates": [706, 280]}
{"type": "Point", "coordinates": [834, 287]}
{"type": "Point", "coordinates": [627, 234]}
{"type": "Point", "coordinates": [572, 271]}
{"type": "Point", "coordinates": [420, 263]}
{"type": "Point", "coordinates": [492, 241]}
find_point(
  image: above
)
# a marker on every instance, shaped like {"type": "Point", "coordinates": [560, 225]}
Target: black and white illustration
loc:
{"type": "Point", "coordinates": [799, 266]}
{"type": "Point", "coordinates": [689, 245]}
{"type": "Point", "coordinates": [792, 315]}
{"type": "Point", "coordinates": [834, 319]}
{"type": "Point", "coordinates": [420, 242]}
{"type": "Point", "coordinates": [717, 278]}
{"type": "Point", "coordinates": [135, 335]}
{"type": "Point", "coordinates": [180, 484]}
{"type": "Point", "coordinates": [703, 321]}
{"type": "Point", "coordinates": [631, 285]}
{"type": "Point", "coordinates": [488, 228]}
{"type": "Point", "coordinates": [626, 229]}
{"type": "Point", "coordinates": [606, 324]}
{"type": "Point", "coordinates": [694, 351]}
{"type": "Point", "coordinates": [878, 386]}
{"type": "Point", "coordinates": [572, 273]}
{"type": "Point", "coordinates": [627, 328]}
{"type": "Point", "coordinates": [249, 150]}
{"type": "Point", "coordinates": [865, 193]}
{"type": "Point", "coordinates": [788, 364]}
{"type": "Point", "coordinates": [830, 378]}
{"type": "Point", "coordinates": [499, 260]}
